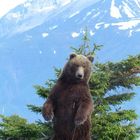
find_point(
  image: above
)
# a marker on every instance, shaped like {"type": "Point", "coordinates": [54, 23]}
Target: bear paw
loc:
{"type": "Point", "coordinates": [79, 121]}
{"type": "Point", "coordinates": [48, 117]}
{"type": "Point", "coordinates": [47, 114]}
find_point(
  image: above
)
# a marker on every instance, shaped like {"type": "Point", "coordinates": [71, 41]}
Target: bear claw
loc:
{"type": "Point", "coordinates": [47, 116]}
{"type": "Point", "coordinates": [79, 122]}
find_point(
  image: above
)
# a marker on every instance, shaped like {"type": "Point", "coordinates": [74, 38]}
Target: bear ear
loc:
{"type": "Point", "coordinates": [72, 55]}
{"type": "Point", "coordinates": [90, 58]}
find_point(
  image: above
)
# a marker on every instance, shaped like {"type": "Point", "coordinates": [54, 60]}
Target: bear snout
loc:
{"type": "Point", "coordinates": [80, 73]}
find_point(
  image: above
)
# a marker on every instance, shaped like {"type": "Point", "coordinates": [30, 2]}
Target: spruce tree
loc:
{"type": "Point", "coordinates": [18, 128]}
{"type": "Point", "coordinates": [111, 85]}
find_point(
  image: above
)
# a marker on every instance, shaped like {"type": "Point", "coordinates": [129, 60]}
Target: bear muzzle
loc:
{"type": "Point", "coordinates": [80, 73]}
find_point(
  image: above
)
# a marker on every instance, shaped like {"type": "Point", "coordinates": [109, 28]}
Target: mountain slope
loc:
{"type": "Point", "coordinates": [33, 13]}
{"type": "Point", "coordinates": [103, 14]}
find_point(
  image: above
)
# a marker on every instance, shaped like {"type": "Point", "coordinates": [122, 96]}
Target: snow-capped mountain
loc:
{"type": "Point", "coordinates": [37, 33]}
{"type": "Point", "coordinates": [123, 14]}
{"type": "Point", "coordinates": [29, 15]}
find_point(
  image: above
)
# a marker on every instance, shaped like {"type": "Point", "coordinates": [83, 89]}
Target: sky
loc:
{"type": "Point", "coordinates": [7, 5]}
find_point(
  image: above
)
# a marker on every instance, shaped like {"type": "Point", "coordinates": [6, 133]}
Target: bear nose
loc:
{"type": "Point", "coordinates": [80, 76]}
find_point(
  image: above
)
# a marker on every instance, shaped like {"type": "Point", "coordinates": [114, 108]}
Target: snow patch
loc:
{"type": "Point", "coordinates": [96, 15]}
{"type": "Point", "coordinates": [92, 33]}
{"type": "Point", "coordinates": [54, 51]}
{"type": "Point", "coordinates": [106, 25]}
{"type": "Point", "coordinates": [114, 11]}
{"type": "Point", "coordinates": [127, 10]}
{"type": "Point", "coordinates": [82, 31]}
{"type": "Point", "coordinates": [53, 27]}
{"type": "Point", "coordinates": [137, 2]}
{"type": "Point", "coordinates": [127, 25]}
{"type": "Point", "coordinates": [75, 34]}
{"type": "Point", "coordinates": [45, 34]}
{"type": "Point", "coordinates": [130, 33]}
{"type": "Point", "coordinates": [89, 13]}
{"type": "Point", "coordinates": [66, 2]}
{"type": "Point", "coordinates": [98, 25]}
{"type": "Point", "coordinates": [10, 16]}
{"type": "Point", "coordinates": [28, 38]}
{"type": "Point", "coordinates": [138, 30]}
{"type": "Point", "coordinates": [46, 9]}
{"type": "Point", "coordinates": [40, 52]}
{"type": "Point", "coordinates": [74, 14]}
{"type": "Point", "coordinates": [27, 4]}
{"type": "Point", "coordinates": [16, 15]}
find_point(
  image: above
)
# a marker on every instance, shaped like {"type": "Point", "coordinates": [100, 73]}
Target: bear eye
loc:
{"type": "Point", "coordinates": [84, 66]}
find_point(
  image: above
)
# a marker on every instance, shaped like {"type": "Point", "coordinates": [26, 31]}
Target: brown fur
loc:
{"type": "Point", "coordinates": [70, 103]}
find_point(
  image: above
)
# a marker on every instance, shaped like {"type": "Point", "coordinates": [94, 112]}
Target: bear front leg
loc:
{"type": "Point", "coordinates": [47, 110]}
{"type": "Point", "coordinates": [84, 110]}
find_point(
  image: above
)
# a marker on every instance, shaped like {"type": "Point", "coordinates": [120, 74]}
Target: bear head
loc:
{"type": "Point", "coordinates": [77, 69]}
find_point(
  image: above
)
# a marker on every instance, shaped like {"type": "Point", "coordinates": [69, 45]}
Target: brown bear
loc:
{"type": "Point", "coordinates": [70, 103]}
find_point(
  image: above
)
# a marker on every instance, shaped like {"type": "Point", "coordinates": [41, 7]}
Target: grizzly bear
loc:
{"type": "Point", "coordinates": [70, 103]}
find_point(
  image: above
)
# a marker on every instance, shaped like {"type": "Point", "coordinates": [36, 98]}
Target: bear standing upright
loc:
{"type": "Point", "coordinates": [70, 103]}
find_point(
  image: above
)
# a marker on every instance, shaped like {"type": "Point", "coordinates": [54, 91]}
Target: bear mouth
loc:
{"type": "Point", "coordinates": [79, 78]}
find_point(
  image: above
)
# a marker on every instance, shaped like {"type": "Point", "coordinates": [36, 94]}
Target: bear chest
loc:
{"type": "Point", "coordinates": [68, 97]}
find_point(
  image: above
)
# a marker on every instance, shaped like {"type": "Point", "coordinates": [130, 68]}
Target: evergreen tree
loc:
{"type": "Point", "coordinates": [17, 128]}
{"type": "Point", "coordinates": [111, 85]}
